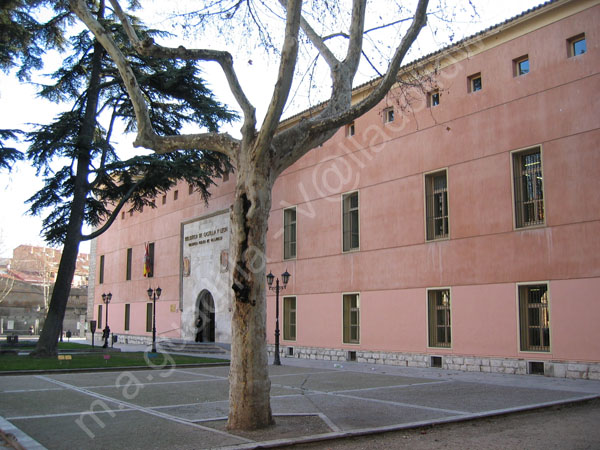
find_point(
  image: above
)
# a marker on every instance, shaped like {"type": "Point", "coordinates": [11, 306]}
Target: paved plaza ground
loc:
{"type": "Point", "coordinates": [186, 408]}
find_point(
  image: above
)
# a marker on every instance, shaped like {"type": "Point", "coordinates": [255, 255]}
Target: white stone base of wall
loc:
{"type": "Point", "coordinates": [126, 339]}
{"type": "Point", "coordinates": [559, 369]}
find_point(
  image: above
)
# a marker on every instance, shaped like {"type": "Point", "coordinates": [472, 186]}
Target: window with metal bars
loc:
{"type": "Point", "coordinates": [289, 233]}
{"type": "Point", "coordinates": [436, 192]}
{"type": "Point", "coordinates": [99, 318]}
{"type": "Point", "coordinates": [350, 221]}
{"type": "Point", "coordinates": [440, 327]}
{"type": "Point", "coordinates": [534, 318]}
{"type": "Point", "coordinates": [528, 187]}
{"type": "Point", "coordinates": [289, 318]}
{"type": "Point", "coordinates": [351, 319]}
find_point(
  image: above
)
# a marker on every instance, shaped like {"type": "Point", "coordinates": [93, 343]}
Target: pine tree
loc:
{"type": "Point", "coordinates": [23, 41]}
{"type": "Point", "coordinates": [94, 184]}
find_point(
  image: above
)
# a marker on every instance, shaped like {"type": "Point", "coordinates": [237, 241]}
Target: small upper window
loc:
{"type": "Point", "coordinates": [164, 199]}
{"type": "Point", "coordinates": [388, 115]}
{"type": "Point", "coordinates": [475, 83]}
{"type": "Point", "coordinates": [433, 98]}
{"type": "Point", "coordinates": [521, 65]}
{"type": "Point", "coordinates": [175, 195]}
{"type": "Point", "coordinates": [191, 189]}
{"type": "Point", "coordinates": [577, 45]}
{"type": "Point", "coordinates": [350, 129]}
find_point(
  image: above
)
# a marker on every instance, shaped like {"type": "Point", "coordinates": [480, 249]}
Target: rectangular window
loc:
{"type": "Point", "coordinates": [101, 270]}
{"type": "Point", "coordinates": [164, 199]}
{"type": "Point", "coordinates": [99, 318]}
{"type": "Point", "coordinates": [129, 260]}
{"type": "Point", "coordinates": [289, 318]}
{"type": "Point", "coordinates": [148, 317]}
{"type": "Point", "coordinates": [351, 319]}
{"type": "Point", "coordinates": [534, 318]}
{"type": "Point", "coordinates": [388, 115]}
{"type": "Point", "coordinates": [528, 187]}
{"type": "Point", "coordinates": [475, 83]}
{"type": "Point", "coordinates": [149, 261]}
{"type": "Point", "coordinates": [123, 215]}
{"type": "Point", "coordinates": [433, 98]}
{"type": "Point", "coordinates": [225, 177]}
{"type": "Point", "coordinates": [127, 315]}
{"type": "Point", "coordinates": [436, 211]}
{"type": "Point", "coordinates": [289, 233]}
{"type": "Point", "coordinates": [350, 129]}
{"type": "Point", "coordinates": [191, 189]}
{"type": "Point", "coordinates": [350, 221]}
{"type": "Point", "coordinates": [521, 66]}
{"type": "Point", "coordinates": [576, 45]}
{"type": "Point", "coordinates": [175, 195]}
{"type": "Point", "coordinates": [438, 307]}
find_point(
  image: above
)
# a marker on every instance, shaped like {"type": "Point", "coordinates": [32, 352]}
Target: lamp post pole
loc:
{"type": "Point", "coordinates": [106, 298]}
{"type": "Point", "coordinates": [285, 276]}
{"type": "Point", "coordinates": [154, 294]}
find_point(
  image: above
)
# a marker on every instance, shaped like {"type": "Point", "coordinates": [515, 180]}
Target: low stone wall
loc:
{"type": "Point", "coordinates": [559, 369]}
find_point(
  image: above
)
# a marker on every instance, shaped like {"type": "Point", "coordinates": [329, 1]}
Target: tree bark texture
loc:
{"type": "Point", "coordinates": [249, 384]}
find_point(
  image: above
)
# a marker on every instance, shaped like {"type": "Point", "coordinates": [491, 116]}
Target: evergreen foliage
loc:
{"type": "Point", "coordinates": [177, 96]}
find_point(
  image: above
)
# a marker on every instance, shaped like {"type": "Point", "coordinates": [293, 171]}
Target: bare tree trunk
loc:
{"type": "Point", "coordinates": [249, 384]}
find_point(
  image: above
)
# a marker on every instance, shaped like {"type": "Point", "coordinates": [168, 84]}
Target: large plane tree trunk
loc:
{"type": "Point", "coordinates": [249, 391]}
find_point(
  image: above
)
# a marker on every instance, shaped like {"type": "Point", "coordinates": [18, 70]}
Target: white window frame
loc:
{"type": "Point", "coordinates": [512, 188]}
{"type": "Point", "coordinates": [358, 305]}
{"type": "Point", "coordinates": [284, 234]}
{"type": "Point", "coordinates": [343, 197]}
{"type": "Point", "coordinates": [441, 288]}
{"type": "Point", "coordinates": [517, 298]}
{"type": "Point", "coordinates": [425, 183]}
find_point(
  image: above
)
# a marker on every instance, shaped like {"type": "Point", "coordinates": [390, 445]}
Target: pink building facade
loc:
{"type": "Point", "coordinates": [452, 226]}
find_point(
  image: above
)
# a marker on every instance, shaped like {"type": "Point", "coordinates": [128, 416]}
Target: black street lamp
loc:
{"type": "Point", "coordinates": [154, 294]}
{"type": "Point", "coordinates": [106, 298]}
{"type": "Point", "coordinates": [285, 277]}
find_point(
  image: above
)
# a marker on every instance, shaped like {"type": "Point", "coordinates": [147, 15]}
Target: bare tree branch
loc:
{"type": "Point", "coordinates": [146, 136]}
{"type": "Point", "coordinates": [287, 65]}
{"type": "Point", "coordinates": [149, 48]}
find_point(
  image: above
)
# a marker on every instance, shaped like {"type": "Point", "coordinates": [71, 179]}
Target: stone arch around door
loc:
{"type": "Point", "coordinates": [205, 317]}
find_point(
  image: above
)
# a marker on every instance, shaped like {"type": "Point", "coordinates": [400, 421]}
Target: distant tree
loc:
{"type": "Point", "coordinates": [94, 184]}
{"type": "Point", "coordinates": [265, 150]}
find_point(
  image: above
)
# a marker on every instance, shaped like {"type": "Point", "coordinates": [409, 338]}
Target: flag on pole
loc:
{"type": "Point", "coordinates": [146, 260]}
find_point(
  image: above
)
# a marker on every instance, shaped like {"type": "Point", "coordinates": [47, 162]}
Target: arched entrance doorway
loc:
{"type": "Point", "coordinates": [205, 317]}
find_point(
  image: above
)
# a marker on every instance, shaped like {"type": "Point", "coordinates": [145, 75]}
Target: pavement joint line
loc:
{"type": "Point", "coordinates": [140, 408]}
{"type": "Point", "coordinates": [75, 413]}
{"type": "Point", "coordinates": [22, 438]}
{"type": "Point", "coordinates": [329, 372]}
{"type": "Point", "coordinates": [187, 404]}
{"type": "Point", "coordinates": [398, 386]}
{"type": "Point", "coordinates": [203, 374]}
{"type": "Point", "coordinates": [156, 383]}
{"type": "Point", "coordinates": [23, 391]}
{"type": "Point", "coordinates": [305, 391]}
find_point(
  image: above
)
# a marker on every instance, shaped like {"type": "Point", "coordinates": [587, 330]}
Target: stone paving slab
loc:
{"type": "Point", "coordinates": [467, 397]}
{"type": "Point", "coordinates": [43, 403]}
{"type": "Point", "coordinates": [131, 430]}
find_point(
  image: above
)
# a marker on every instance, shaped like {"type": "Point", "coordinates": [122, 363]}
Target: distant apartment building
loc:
{"type": "Point", "coordinates": [455, 225]}
{"type": "Point", "coordinates": [26, 284]}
